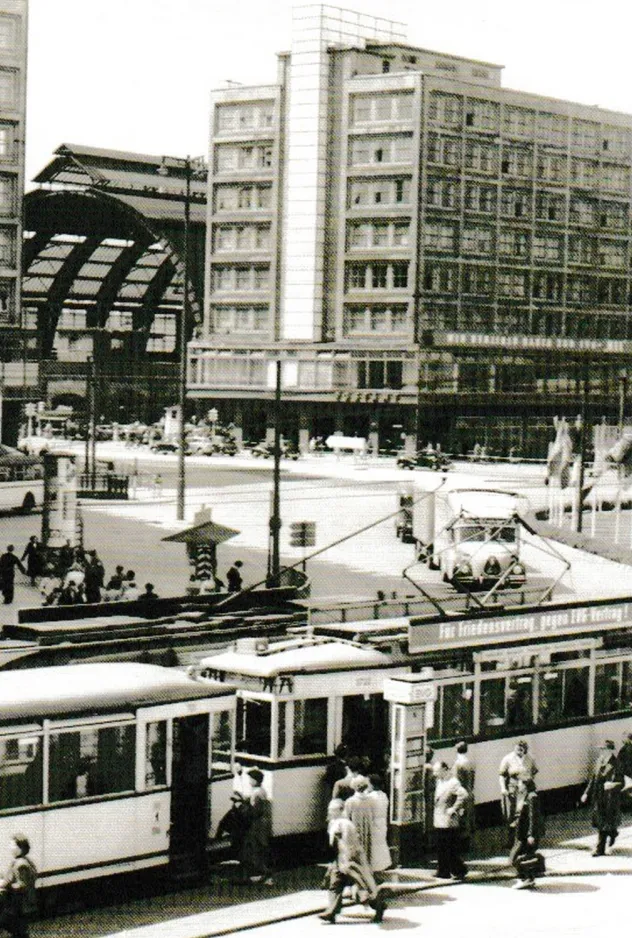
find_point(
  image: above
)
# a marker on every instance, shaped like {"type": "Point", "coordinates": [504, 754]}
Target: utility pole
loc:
{"type": "Point", "coordinates": [274, 558]}
{"type": "Point", "coordinates": [86, 460]}
{"type": "Point", "coordinates": [93, 419]}
{"type": "Point", "coordinates": [623, 393]}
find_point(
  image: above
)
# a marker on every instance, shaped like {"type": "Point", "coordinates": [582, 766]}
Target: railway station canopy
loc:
{"type": "Point", "coordinates": [105, 235]}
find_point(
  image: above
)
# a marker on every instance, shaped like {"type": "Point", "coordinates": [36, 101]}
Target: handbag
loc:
{"type": "Point", "coordinates": [531, 865]}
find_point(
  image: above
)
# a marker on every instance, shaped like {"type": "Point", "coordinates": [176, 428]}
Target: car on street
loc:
{"type": "Point", "coordinates": [164, 446]}
{"type": "Point", "coordinates": [265, 450]}
{"type": "Point", "coordinates": [425, 459]}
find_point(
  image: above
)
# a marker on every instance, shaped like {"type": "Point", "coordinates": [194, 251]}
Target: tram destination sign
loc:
{"type": "Point", "coordinates": [424, 635]}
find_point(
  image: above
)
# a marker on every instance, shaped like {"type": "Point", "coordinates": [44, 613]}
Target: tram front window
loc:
{"type": "Point", "coordinates": [254, 726]}
{"type": "Point", "coordinates": [365, 727]}
{"type": "Point", "coordinates": [221, 739]}
{"type": "Point", "coordinates": [156, 754]}
{"type": "Point", "coordinates": [20, 771]}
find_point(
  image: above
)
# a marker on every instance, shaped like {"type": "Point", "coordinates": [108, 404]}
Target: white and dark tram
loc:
{"type": "Point", "coordinates": [110, 768]}
{"type": "Point", "coordinates": [559, 676]}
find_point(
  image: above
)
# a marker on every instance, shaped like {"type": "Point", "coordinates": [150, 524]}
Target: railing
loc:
{"type": "Point", "coordinates": [103, 485]}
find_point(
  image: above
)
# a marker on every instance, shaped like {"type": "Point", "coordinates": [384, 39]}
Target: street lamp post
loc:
{"type": "Point", "coordinates": [189, 165]}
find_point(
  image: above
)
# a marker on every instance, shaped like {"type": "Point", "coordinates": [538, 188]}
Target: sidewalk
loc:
{"type": "Point", "coordinates": [567, 849]}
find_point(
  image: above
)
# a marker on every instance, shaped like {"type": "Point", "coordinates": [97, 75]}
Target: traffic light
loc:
{"type": "Point", "coordinates": [302, 533]}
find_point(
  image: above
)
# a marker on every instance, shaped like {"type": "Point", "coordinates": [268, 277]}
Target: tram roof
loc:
{"type": "Point", "coordinates": [319, 656]}
{"type": "Point", "coordinates": [89, 688]}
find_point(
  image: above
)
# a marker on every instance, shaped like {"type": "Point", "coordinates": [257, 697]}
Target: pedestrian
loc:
{"type": "Point", "coordinates": [528, 832]}
{"type": "Point", "coordinates": [359, 809]}
{"type": "Point", "coordinates": [349, 867]}
{"type": "Point", "coordinates": [515, 767]}
{"type": "Point", "coordinates": [149, 593]}
{"type": "Point", "coordinates": [66, 557]}
{"type": "Point", "coordinates": [129, 590]}
{"type": "Point", "coordinates": [426, 801]}
{"type": "Point", "coordinates": [337, 769]}
{"type": "Point", "coordinates": [233, 577]}
{"type": "Point", "coordinates": [255, 854]}
{"type": "Point", "coordinates": [33, 556]}
{"type": "Point", "coordinates": [8, 562]}
{"type": "Point", "coordinates": [450, 798]}
{"type": "Point", "coordinates": [380, 857]}
{"type": "Point", "coordinates": [114, 585]}
{"type": "Point", "coordinates": [604, 793]}
{"type": "Point", "coordinates": [233, 825]}
{"type": "Point", "coordinates": [345, 787]}
{"type": "Point", "coordinates": [94, 577]}
{"type": "Point", "coordinates": [18, 890]}
{"type": "Point", "coordinates": [464, 770]}
{"type": "Point", "coordinates": [49, 585]}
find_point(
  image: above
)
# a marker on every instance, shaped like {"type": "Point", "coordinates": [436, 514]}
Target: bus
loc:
{"type": "Point", "coordinates": [21, 481]}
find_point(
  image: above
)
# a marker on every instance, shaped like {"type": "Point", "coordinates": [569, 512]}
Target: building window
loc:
{"type": "Point", "coordinates": [477, 241]}
{"type": "Point", "coordinates": [515, 203]}
{"type": "Point", "coordinates": [613, 253]}
{"type": "Point", "coordinates": [445, 151]}
{"type": "Point", "coordinates": [400, 276]}
{"type": "Point", "coordinates": [583, 172]}
{"type": "Point", "coordinates": [379, 192]}
{"type": "Point", "coordinates": [580, 289]}
{"type": "Point", "coordinates": [513, 243]}
{"type": "Point", "coordinates": [480, 156]}
{"type": "Point", "coordinates": [445, 109]}
{"type": "Point", "coordinates": [441, 193]}
{"type": "Point", "coordinates": [379, 276]}
{"type": "Point", "coordinates": [547, 248]}
{"type": "Point", "coordinates": [551, 167]}
{"type": "Point", "coordinates": [518, 121]}
{"type": "Point", "coordinates": [244, 117]}
{"type": "Point", "coordinates": [7, 247]}
{"type": "Point", "coordinates": [480, 198]}
{"type": "Point", "coordinates": [439, 278]}
{"type": "Point", "coordinates": [357, 276]}
{"type": "Point", "coordinates": [437, 237]}
{"type": "Point", "coordinates": [615, 178]}
{"type": "Point", "coordinates": [482, 115]}
{"type": "Point", "coordinates": [368, 320]}
{"type": "Point", "coordinates": [476, 280]}
{"type": "Point", "coordinates": [373, 150]}
{"type": "Point", "coordinates": [517, 162]}
{"type": "Point", "coordinates": [8, 89]}
{"type": "Point", "coordinates": [549, 207]}
{"type": "Point", "coordinates": [241, 319]}
{"type": "Point", "coordinates": [585, 135]}
{"type": "Point", "coordinates": [547, 286]}
{"type": "Point", "coordinates": [380, 374]}
{"type": "Point", "coordinates": [7, 141]}
{"type": "Point", "coordinates": [552, 129]}
{"type": "Point", "coordinates": [511, 283]}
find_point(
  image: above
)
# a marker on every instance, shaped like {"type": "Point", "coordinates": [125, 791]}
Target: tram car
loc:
{"type": "Point", "coordinates": [110, 768]}
{"type": "Point", "coordinates": [559, 676]}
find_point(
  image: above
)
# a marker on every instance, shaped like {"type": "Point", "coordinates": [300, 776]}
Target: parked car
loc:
{"type": "Point", "coordinates": [265, 450]}
{"type": "Point", "coordinates": [164, 446]}
{"type": "Point", "coordinates": [425, 459]}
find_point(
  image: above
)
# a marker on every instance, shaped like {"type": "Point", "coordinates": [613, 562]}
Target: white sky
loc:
{"type": "Point", "coordinates": [135, 74]}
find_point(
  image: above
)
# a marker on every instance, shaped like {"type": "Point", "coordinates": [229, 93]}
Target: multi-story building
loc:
{"type": "Point", "coordinates": [426, 251]}
{"type": "Point", "coordinates": [18, 377]}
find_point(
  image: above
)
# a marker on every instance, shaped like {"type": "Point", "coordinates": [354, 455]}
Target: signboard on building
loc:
{"type": "Point", "coordinates": [424, 635]}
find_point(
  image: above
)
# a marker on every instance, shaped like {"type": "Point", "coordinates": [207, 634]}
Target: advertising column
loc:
{"type": "Point", "coordinates": [412, 698]}
{"type": "Point", "coordinates": [59, 515]}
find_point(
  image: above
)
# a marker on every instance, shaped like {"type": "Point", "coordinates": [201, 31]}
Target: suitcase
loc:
{"type": "Point", "coordinates": [531, 865]}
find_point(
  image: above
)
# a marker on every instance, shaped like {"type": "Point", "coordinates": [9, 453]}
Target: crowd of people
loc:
{"type": "Point", "coordinates": [358, 813]}
{"type": "Point", "coordinates": [68, 576]}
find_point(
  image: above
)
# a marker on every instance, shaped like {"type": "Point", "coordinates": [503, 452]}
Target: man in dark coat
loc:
{"type": "Point", "coordinates": [32, 555]}
{"type": "Point", "coordinates": [528, 831]}
{"type": "Point", "coordinates": [18, 890]}
{"type": "Point", "coordinates": [233, 577]}
{"type": "Point", "coordinates": [8, 562]}
{"type": "Point", "coordinates": [604, 792]}
{"type": "Point", "coordinates": [94, 578]}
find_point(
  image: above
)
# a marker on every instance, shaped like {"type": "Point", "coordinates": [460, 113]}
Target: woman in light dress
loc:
{"type": "Point", "coordinates": [380, 853]}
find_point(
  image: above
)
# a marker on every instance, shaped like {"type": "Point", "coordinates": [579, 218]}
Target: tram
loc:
{"type": "Point", "coordinates": [558, 675]}
{"type": "Point", "coordinates": [111, 767]}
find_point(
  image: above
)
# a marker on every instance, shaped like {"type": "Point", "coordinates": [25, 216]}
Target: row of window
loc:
{"type": "Point", "coordinates": [381, 108]}
{"type": "Point", "coordinates": [229, 319]}
{"type": "Point", "coordinates": [548, 247]}
{"type": "Point", "coordinates": [378, 234]}
{"type": "Point", "coordinates": [241, 278]}
{"type": "Point", "coordinates": [445, 193]}
{"type": "Point", "coordinates": [544, 285]}
{"type": "Point", "coordinates": [376, 318]}
{"type": "Point", "coordinates": [375, 150]}
{"type": "Point", "coordinates": [517, 320]}
{"type": "Point", "coordinates": [377, 276]}
{"type": "Point", "coordinates": [237, 158]}
{"type": "Point", "coordinates": [241, 238]}
{"type": "Point", "coordinates": [231, 118]}
{"type": "Point", "coordinates": [488, 158]}
{"type": "Point", "coordinates": [455, 111]}
{"type": "Point", "coordinates": [365, 192]}
{"type": "Point", "coordinates": [242, 198]}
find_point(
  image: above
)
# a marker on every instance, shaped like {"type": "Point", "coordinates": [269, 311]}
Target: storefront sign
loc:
{"type": "Point", "coordinates": [409, 691]}
{"type": "Point", "coordinates": [423, 636]}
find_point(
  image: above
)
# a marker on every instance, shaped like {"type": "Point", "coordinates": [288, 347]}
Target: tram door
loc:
{"type": "Point", "coordinates": [189, 794]}
{"type": "Point", "coordinates": [365, 727]}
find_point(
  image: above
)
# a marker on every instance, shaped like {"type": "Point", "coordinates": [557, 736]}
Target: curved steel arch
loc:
{"type": "Point", "coordinates": [96, 215]}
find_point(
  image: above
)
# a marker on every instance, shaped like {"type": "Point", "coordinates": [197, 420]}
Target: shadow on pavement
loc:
{"type": "Point", "coordinates": [550, 886]}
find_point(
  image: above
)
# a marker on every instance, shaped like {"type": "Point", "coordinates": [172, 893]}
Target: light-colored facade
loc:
{"type": "Point", "coordinates": [423, 248]}
{"type": "Point", "coordinates": [17, 377]}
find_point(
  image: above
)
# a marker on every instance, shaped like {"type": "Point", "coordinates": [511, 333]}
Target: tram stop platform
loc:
{"type": "Point", "coordinates": [567, 847]}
